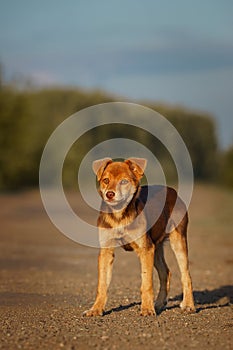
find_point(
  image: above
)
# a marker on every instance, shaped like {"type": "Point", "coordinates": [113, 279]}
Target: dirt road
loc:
{"type": "Point", "coordinates": [47, 281]}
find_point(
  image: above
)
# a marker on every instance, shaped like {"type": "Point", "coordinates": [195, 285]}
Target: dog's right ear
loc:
{"type": "Point", "coordinates": [98, 166]}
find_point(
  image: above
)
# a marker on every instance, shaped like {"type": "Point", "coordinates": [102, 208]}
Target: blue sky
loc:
{"type": "Point", "coordinates": [180, 52]}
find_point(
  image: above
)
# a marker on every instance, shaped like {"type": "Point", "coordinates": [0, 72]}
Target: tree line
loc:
{"type": "Point", "coordinates": [29, 116]}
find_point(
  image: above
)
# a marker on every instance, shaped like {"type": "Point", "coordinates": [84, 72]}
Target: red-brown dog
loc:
{"type": "Point", "coordinates": [127, 218]}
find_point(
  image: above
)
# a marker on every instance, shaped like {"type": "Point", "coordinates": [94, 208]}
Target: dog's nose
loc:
{"type": "Point", "coordinates": [110, 194]}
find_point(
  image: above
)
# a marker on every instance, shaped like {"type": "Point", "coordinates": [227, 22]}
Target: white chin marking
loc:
{"type": "Point", "coordinates": [113, 203]}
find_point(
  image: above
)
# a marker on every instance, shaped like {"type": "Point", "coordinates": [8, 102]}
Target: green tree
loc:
{"type": "Point", "coordinates": [28, 117]}
{"type": "Point", "coordinates": [226, 169]}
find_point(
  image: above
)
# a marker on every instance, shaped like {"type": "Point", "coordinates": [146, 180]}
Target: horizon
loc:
{"type": "Point", "coordinates": [175, 54]}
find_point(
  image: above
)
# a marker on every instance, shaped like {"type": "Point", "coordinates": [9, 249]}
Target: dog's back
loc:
{"type": "Point", "coordinates": [162, 208]}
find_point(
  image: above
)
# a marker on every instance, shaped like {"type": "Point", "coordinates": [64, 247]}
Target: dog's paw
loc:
{"type": "Point", "coordinates": [147, 312]}
{"type": "Point", "coordinates": [160, 305]}
{"type": "Point", "coordinates": [93, 312]}
{"type": "Point", "coordinates": [187, 308]}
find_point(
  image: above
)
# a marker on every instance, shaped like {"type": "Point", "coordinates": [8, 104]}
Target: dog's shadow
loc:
{"type": "Point", "coordinates": [121, 308]}
{"type": "Point", "coordinates": [206, 299]}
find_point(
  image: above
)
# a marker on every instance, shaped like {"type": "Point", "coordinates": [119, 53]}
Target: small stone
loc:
{"type": "Point", "coordinates": [224, 301]}
{"type": "Point", "coordinates": [104, 337]}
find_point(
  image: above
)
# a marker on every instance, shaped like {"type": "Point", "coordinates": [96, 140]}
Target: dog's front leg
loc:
{"type": "Point", "coordinates": [146, 256]}
{"type": "Point", "coordinates": [105, 263]}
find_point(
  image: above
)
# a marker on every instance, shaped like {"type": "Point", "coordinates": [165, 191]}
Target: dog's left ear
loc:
{"type": "Point", "coordinates": [98, 166]}
{"type": "Point", "coordinates": [137, 166]}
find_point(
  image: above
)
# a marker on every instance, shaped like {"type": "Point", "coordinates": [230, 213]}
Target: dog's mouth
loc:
{"type": "Point", "coordinates": [117, 203]}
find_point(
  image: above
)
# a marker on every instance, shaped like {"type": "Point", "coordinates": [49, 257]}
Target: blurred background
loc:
{"type": "Point", "coordinates": [59, 57]}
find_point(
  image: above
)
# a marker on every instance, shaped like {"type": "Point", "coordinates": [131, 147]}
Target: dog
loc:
{"type": "Point", "coordinates": [125, 220]}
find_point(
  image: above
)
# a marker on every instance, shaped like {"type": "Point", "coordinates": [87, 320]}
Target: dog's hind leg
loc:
{"type": "Point", "coordinates": [178, 243]}
{"type": "Point", "coordinates": [164, 277]}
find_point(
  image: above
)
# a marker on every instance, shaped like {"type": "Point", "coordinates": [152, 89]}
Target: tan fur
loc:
{"type": "Point", "coordinates": [125, 212]}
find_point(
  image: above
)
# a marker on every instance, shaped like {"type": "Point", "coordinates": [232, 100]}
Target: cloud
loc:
{"type": "Point", "coordinates": [169, 54]}
{"type": "Point", "coordinates": [43, 78]}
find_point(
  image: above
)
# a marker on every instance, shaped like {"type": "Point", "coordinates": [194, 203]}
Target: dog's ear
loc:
{"type": "Point", "coordinates": [98, 166]}
{"type": "Point", "coordinates": [137, 166]}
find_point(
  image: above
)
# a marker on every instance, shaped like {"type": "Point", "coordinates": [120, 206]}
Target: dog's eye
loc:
{"type": "Point", "coordinates": [124, 182]}
{"type": "Point", "coordinates": [106, 181]}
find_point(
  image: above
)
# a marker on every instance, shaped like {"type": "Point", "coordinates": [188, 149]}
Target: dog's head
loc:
{"type": "Point", "coordinates": [118, 181]}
